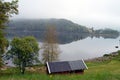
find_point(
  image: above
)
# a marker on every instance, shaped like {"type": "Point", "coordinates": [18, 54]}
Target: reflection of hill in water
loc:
{"type": "Point", "coordinates": [106, 36]}
{"type": "Point", "coordinates": [63, 38]}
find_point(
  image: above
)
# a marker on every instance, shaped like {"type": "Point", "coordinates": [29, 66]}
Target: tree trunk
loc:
{"type": "Point", "coordinates": [23, 67]}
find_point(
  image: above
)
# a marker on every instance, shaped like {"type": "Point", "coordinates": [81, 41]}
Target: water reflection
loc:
{"type": "Point", "coordinates": [65, 37]}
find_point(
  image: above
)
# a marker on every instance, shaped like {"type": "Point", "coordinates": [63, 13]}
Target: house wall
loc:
{"type": "Point", "coordinates": [67, 72]}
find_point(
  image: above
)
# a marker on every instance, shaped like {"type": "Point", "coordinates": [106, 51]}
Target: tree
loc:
{"type": "Point", "coordinates": [6, 11]}
{"type": "Point", "coordinates": [50, 47]}
{"type": "Point", "coordinates": [3, 46]}
{"type": "Point", "coordinates": [24, 52]}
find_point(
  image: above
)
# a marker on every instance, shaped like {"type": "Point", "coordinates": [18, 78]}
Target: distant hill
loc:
{"type": "Point", "coordinates": [67, 31]}
{"type": "Point", "coordinates": [107, 33]}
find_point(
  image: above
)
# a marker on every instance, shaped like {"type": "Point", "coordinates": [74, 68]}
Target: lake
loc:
{"type": "Point", "coordinates": [88, 48]}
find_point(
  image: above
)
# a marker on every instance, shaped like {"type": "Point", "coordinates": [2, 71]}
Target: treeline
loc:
{"type": "Point", "coordinates": [107, 33]}
{"type": "Point", "coordinates": [67, 31]}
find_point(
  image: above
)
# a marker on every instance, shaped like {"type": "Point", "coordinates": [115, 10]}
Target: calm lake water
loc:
{"type": "Point", "coordinates": [88, 48]}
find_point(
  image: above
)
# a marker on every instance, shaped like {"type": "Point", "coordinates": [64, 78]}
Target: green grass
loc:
{"type": "Point", "coordinates": [97, 71]}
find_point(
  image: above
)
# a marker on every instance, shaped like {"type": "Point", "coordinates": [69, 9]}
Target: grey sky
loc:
{"type": "Point", "coordinates": [86, 12]}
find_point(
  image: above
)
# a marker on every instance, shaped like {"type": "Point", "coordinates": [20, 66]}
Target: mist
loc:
{"type": "Point", "coordinates": [90, 13]}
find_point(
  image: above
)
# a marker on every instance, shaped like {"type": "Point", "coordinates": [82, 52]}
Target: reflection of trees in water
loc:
{"type": "Point", "coordinates": [106, 36]}
{"type": "Point", "coordinates": [69, 37]}
{"type": "Point", "coordinates": [63, 37]}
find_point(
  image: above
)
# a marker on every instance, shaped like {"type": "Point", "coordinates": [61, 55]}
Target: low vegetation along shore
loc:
{"type": "Point", "coordinates": [102, 70]}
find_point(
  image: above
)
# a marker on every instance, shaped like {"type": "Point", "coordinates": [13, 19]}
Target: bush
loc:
{"type": "Point", "coordinates": [106, 55]}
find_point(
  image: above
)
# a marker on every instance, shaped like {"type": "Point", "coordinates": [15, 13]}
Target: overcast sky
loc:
{"type": "Point", "coordinates": [86, 12]}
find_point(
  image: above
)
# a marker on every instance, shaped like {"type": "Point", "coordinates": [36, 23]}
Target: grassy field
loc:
{"type": "Point", "coordinates": [97, 71]}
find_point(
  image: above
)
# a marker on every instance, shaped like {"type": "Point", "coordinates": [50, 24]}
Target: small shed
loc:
{"type": "Point", "coordinates": [66, 67]}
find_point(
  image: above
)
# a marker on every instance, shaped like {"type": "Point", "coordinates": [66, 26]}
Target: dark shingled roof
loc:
{"type": "Point", "coordinates": [59, 66]}
{"type": "Point", "coordinates": [77, 65]}
{"type": "Point", "coordinates": [54, 67]}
